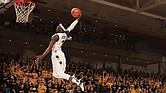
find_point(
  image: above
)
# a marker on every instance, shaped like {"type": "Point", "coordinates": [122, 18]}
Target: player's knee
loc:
{"type": "Point", "coordinates": [57, 75]}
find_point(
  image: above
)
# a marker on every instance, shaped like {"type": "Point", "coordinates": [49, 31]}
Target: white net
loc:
{"type": "Point", "coordinates": [23, 9]}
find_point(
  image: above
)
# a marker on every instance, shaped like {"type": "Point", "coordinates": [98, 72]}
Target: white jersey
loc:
{"type": "Point", "coordinates": [59, 43]}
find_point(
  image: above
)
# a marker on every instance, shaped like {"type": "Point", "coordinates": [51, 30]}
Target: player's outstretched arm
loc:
{"type": "Point", "coordinates": [54, 39]}
{"type": "Point", "coordinates": [71, 27]}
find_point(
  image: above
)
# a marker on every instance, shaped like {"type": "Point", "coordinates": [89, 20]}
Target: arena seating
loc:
{"type": "Point", "coordinates": [19, 74]}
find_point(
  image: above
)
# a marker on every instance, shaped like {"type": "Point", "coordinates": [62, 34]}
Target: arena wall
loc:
{"type": "Point", "coordinates": [21, 42]}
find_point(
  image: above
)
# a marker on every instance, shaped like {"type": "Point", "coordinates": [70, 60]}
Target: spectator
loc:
{"type": "Point", "coordinates": [26, 79]}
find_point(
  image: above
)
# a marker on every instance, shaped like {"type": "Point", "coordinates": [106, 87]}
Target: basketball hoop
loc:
{"type": "Point", "coordinates": [23, 8]}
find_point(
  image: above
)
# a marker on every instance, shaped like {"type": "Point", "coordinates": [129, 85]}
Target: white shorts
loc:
{"type": "Point", "coordinates": [59, 64]}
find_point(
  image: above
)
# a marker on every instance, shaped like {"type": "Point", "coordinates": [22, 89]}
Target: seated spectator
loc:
{"type": "Point", "coordinates": [19, 77]}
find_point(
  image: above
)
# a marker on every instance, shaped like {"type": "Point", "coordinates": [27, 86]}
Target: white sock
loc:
{"type": "Point", "coordinates": [75, 80]}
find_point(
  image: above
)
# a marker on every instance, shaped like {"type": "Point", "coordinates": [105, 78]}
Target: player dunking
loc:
{"type": "Point", "coordinates": [58, 57]}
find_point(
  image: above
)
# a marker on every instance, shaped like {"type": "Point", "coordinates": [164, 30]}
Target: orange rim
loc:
{"type": "Point", "coordinates": [21, 6]}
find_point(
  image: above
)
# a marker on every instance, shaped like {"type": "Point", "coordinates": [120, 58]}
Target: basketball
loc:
{"type": "Point", "coordinates": [75, 12]}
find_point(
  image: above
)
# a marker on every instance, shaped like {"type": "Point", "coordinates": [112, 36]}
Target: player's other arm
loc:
{"type": "Point", "coordinates": [49, 48]}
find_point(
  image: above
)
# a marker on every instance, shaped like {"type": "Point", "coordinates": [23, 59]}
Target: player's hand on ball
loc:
{"type": "Point", "coordinates": [79, 16]}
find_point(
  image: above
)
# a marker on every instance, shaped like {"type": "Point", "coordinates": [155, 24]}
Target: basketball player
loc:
{"type": "Point", "coordinates": [58, 57]}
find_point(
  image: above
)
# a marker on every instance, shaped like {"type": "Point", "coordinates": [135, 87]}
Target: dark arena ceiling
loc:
{"type": "Point", "coordinates": [143, 16]}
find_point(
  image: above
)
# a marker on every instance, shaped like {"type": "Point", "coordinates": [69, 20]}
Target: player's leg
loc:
{"type": "Point", "coordinates": [71, 78]}
{"type": "Point", "coordinates": [59, 66]}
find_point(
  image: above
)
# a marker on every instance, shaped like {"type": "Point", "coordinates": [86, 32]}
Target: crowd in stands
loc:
{"type": "Point", "coordinates": [19, 74]}
{"type": "Point", "coordinates": [35, 27]}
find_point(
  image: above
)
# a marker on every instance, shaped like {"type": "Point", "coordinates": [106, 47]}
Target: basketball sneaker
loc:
{"type": "Point", "coordinates": [82, 86]}
{"type": "Point", "coordinates": [78, 82]}
{"type": "Point", "coordinates": [75, 80]}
